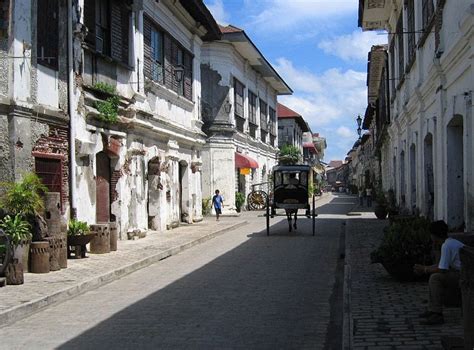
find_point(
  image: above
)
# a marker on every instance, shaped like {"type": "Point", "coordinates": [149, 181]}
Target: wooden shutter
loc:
{"type": "Point", "coordinates": [188, 76]}
{"type": "Point", "coordinates": [125, 14]}
{"type": "Point", "coordinates": [168, 62]}
{"type": "Point", "coordinates": [238, 98]}
{"type": "Point", "coordinates": [119, 28]}
{"type": "Point", "coordinates": [174, 61]}
{"type": "Point", "coordinates": [147, 26]}
{"type": "Point", "coordinates": [47, 33]}
{"type": "Point", "coordinates": [89, 21]}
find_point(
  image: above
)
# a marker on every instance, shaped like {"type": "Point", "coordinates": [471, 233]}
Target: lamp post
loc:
{"type": "Point", "coordinates": [359, 123]}
{"type": "Point", "coordinates": [178, 73]}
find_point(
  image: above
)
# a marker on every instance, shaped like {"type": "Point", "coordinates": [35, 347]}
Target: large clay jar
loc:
{"type": "Point", "coordinates": [39, 257]}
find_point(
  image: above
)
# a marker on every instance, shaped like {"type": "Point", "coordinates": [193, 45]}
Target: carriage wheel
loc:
{"type": "Point", "coordinates": [257, 200]}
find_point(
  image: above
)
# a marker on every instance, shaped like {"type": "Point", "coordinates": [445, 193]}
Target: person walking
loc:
{"type": "Point", "coordinates": [361, 197]}
{"type": "Point", "coordinates": [218, 203]}
{"type": "Point", "coordinates": [444, 277]}
{"type": "Point", "coordinates": [368, 193]}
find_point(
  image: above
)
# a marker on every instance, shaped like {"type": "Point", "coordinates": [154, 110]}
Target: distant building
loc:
{"type": "Point", "coordinates": [239, 103]}
{"type": "Point", "coordinates": [291, 126]}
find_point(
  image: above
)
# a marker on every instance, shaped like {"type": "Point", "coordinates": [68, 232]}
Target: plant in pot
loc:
{"type": "Point", "coordinates": [78, 235]}
{"type": "Point", "coordinates": [25, 198]}
{"type": "Point", "coordinates": [404, 245]}
{"type": "Point", "coordinates": [239, 201]}
{"type": "Point", "coordinates": [19, 232]}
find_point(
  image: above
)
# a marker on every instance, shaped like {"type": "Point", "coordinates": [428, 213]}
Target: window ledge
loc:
{"type": "Point", "coordinates": [163, 92]}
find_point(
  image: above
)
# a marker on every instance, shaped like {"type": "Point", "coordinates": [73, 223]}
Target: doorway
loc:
{"type": "Point", "coordinates": [413, 177]}
{"type": "Point", "coordinates": [183, 197]}
{"type": "Point", "coordinates": [455, 172]}
{"type": "Point", "coordinates": [154, 188]}
{"type": "Point", "coordinates": [102, 188]}
{"type": "Point", "coordinates": [429, 177]}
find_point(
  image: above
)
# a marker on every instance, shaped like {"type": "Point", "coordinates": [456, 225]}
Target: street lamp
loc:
{"type": "Point", "coordinates": [359, 123]}
{"type": "Point", "coordinates": [178, 73]}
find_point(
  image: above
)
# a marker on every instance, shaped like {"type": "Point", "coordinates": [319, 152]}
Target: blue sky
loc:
{"type": "Point", "coordinates": [317, 48]}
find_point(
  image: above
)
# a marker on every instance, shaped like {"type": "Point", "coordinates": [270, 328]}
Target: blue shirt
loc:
{"type": "Point", "coordinates": [450, 255]}
{"type": "Point", "coordinates": [217, 201]}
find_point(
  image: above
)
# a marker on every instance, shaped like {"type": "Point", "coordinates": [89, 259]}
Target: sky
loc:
{"type": "Point", "coordinates": [318, 49]}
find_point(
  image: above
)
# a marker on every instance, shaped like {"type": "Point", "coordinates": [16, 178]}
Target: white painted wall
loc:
{"type": "Point", "coordinates": [435, 90]}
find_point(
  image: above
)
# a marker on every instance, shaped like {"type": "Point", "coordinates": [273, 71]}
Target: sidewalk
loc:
{"type": "Point", "coordinates": [42, 290]}
{"type": "Point", "coordinates": [383, 312]}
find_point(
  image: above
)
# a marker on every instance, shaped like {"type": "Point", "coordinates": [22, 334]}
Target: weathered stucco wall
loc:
{"type": "Point", "coordinates": [4, 65]}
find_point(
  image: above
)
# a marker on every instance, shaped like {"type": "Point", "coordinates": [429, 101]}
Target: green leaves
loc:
{"type": "Point", "coordinates": [108, 109]}
{"type": "Point", "coordinates": [239, 199]}
{"type": "Point", "coordinates": [24, 197]}
{"type": "Point", "coordinates": [289, 155]}
{"type": "Point", "coordinates": [206, 206]}
{"type": "Point", "coordinates": [17, 228]}
{"type": "Point", "coordinates": [405, 242]}
{"type": "Point", "coordinates": [77, 228]}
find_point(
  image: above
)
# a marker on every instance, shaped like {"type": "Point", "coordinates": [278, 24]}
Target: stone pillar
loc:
{"type": "Point", "coordinates": [467, 289]}
{"type": "Point", "coordinates": [58, 247]}
{"type": "Point", "coordinates": [100, 244]}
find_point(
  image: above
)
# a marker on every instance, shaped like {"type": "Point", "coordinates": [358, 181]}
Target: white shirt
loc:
{"type": "Point", "coordinates": [450, 254]}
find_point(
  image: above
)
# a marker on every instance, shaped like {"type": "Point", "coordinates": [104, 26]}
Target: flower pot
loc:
{"type": "Point", "coordinates": [380, 212]}
{"type": "Point", "coordinates": [77, 244]}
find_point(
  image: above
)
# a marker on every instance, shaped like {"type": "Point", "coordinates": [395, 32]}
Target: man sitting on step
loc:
{"type": "Point", "coordinates": [444, 276]}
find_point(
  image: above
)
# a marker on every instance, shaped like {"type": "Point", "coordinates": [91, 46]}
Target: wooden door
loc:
{"type": "Point", "coordinates": [102, 188]}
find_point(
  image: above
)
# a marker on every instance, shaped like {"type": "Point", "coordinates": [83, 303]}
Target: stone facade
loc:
{"type": "Point", "coordinates": [239, 100]}
{"type": "Point", "coordinates": [33, 103]}
{"type": "Point", "coordinates": [151, 157]}
{"type": "Point", "coordinates": [429, 150]}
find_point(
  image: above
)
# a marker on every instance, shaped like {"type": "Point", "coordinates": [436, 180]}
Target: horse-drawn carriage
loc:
{"type": "Point", "coordinates": [290, 192]}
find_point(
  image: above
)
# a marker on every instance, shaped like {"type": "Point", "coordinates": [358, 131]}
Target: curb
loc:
{"type": "Point", "coordinates": [347, 322]}
{"type": "Point", "coordinates": [27, 309]}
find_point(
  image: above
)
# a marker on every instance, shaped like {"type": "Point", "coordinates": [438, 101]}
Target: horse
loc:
{"type": "Point", "coordinates": [289, 213]}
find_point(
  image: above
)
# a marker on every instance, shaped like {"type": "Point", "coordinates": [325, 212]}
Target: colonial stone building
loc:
{"type": "Point", "coordinates": [428, 149]}
{"type": "Point", "coordinates": [142, 171]}
{"type": "Point", "coordinates": [239, 101]}
{"type": "Point", "coordinates": [103, 102]}
{"type": "Point", "coordinates": [34, 108]}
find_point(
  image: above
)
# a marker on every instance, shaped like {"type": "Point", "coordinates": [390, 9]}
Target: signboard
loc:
{"type": "Point", "coordinates": [245, 171]}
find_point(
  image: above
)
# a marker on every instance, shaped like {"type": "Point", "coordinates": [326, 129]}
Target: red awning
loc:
{"type": "Point", "coordinates": [243, 161]}
{"type": "Point", "coordinates": [310, 146]}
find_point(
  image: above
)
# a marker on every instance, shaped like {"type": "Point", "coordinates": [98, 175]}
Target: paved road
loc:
{"type": "Point", "coordinates": [239, 290]}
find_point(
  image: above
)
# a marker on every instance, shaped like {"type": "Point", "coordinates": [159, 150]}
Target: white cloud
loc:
{"type": "Point", "coordinates": [354, 46]}
{"type": "Point", "coordinates": [345, 132]}
{"type": "Point", "coordinates": [323, 99]}
{"type": "Point", "coordinates": [279, 14]}
{"type": "Point", "coordinates": [218, 11]}
{"type": "Point", "coordinates": [329, 102]}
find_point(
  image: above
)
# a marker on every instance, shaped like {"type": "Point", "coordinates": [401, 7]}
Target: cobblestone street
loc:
{"type": "Point", "coordinates": [385, 311]}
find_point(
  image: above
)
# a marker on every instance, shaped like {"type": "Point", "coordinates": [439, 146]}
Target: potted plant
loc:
{"type": "Point", "coordinates": [78, 235]}
{"type": "Point", "coordinates": [19, 232]}
{"type": "Point", "coordinates": [289, 155]}
{"type": "Point", "coordinates": [25, 198]}
{"type": "Point", "coordinates": [239, 201]}
{"type": "Point", "coordinates": [404, 245]}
